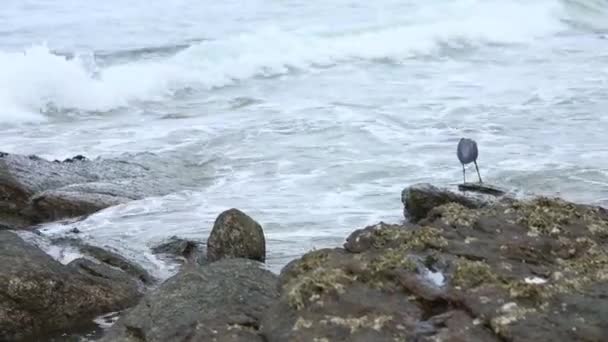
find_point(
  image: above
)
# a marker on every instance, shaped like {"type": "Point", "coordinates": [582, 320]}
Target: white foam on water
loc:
{"type": "Point", "coordinates": [63, 254]}
{"type": "Point", "coordinates": [35, 79]}
{"type": "Point", "coordinates": [535, 280]}
{"type": "Point", "coordinates": [107, 320]}
{"type": "Point", "coordinates": [436, 277]}
{"type": "Point", "coordinates": [361, 112]}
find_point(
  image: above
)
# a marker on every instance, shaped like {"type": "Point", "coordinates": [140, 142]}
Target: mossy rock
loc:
{"type": "Point", "coordinates": [554, 216]}
{"type": "Point", "coordinates": [383, 235]}
{"type": "Point", "coordinates": [518, 270]}
{"type": "Point", "coordinates": [320, 274]}
{"type": "Point", "coordinates": [313, 285]}
{"type": "Point", "coordinates": [236, 235]}
{"type": "Point", "coordinates": [470, 274]}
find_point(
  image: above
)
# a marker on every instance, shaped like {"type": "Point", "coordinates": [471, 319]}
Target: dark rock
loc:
{"type": "Point", "coordinates": [103, 274]}
{"type": "Point", "coordinates": [39, 295]}
{"type": "Point", "coordinates": [534, 270]}
{"type": "Point", "coordinates": [188, 250]}
{"type": "Point", "coordinates": [419, 199]}
{"type": "Point", "coordinates": [120, 188]}
{"type": "Point", "coordinates": [54, 205]}
{"type": "Point", "coordinates": [11, 221]}
{"type": "Point", "coordinates": [236, 235]}
{"type": "Point", "coordinates": [34, 190]}
{"type": "Point", "coordinates": [482, 188]}
{"type": "Point", "coordinates": [456, 325]}
{"type": "Point", "coordinates": [223, 301]}
{"type": "Point", "coordinates": [109, 258]}
{"type": "Point", "coordinates": [118, 261]}
{"type": "Point", "coordinates": [75, 158]}
{"type": "Point", "coordinates": [527, 259]}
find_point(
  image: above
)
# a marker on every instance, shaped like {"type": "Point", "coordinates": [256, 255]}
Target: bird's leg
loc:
{"type": "Point", "coordinates": [477, 168]}
{"type": "Point", "coordinates": [464, 178]}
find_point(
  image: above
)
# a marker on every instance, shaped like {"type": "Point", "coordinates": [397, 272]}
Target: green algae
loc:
{"type": "Point", "coordinates": [470, 274]}
{"type": "Point", "coordinates": [409, 239]}
{"type": "Point", "coordinates": [550, 216]}
{"type": "Point", "coordinates": [455, 214]}
{"type": "Point", "coordinates": [311, 286]}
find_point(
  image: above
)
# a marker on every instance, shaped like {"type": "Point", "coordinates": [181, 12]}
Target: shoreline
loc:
{"type": "Point", "coordinates": [492, 263]}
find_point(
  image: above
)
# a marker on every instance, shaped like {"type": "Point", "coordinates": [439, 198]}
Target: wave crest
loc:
{"type": "Point", "coordinates": [36, 79]}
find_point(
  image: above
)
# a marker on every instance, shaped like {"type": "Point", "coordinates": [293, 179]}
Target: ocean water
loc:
{"type": "Point", "coordinates": [311, 116]}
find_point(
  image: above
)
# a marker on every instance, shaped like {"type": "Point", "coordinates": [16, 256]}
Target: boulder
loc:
{"type": "Point", "coordinates": [182, 250]}
{"type": "Point", "coordinates": [34, 190]}
{"type": "Point", "coordinates": [39, 296]}
{"type": "Point", "coordinates": [236, 235]}
{"type": "Point", "coordinates": [222, 301]}
{"type": "Point", "coordinates": [419, 199]}
{"type": "Point", "coordinates": [533, 270]}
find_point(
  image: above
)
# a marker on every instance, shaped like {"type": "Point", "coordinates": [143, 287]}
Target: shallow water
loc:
{"type": "Point", "coordinates": [309, 116]}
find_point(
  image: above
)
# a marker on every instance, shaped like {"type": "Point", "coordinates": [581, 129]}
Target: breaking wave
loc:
{"type": "Point", "coordinates": [37, 79]}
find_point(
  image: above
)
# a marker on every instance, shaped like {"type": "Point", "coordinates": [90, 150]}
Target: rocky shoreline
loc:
{"type": "Point", "coordinates": [463, 266]}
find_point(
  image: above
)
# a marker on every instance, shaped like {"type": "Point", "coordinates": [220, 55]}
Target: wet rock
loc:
{"type": "Point", "coordinates": [236, 235]}
{"type": "Point", "coordinates": [104, 274]}
{"type": "Point", "coordinates": [182, 249]}
{"type": "Point", "coordinates": [419, 199]}
{"type": "Point", "coordinates": [78, 157]}
{"type": "Point", "coordinates": [11, 221]}
{"type": "Point", "coordinates": [119, 262]}
{"type": "Point", "coordinates": [222, 301]}
{"type": "Point", "coordinates": [39, 296]}
{"type": "Point", "coordinates": [119, 188]}
{"type": "Point", "coordinates": [482, 188]}
{"type": "Point", "coordinates": [533, 270]}
{"type": "Point", "coordinates": [54, 205]}
{"type": "Point", "coordinates": [34, 190]}
{"type": "Point", "coordinates": [109, 258]}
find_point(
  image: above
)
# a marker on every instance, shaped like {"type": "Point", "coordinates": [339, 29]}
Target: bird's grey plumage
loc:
{"type": "Point", "coordinates": [467, 153]}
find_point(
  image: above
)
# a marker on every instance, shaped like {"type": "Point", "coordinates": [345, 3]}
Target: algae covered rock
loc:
{"type": "Point", "coordinates": [380, 288]}
{"type": "Point", "coordinates": [507, 270]}
{"type": "Point", "coordinates": [518, 263]}
{"type": "Point", "coordinates": [521, 262]}
{"type": "Point", "coordinates": [222, 301]}
{"type": "Point", "coordinates": [236, 235]}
